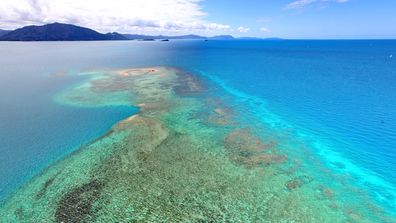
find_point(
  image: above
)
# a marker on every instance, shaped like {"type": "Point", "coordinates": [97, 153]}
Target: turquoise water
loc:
{"type": "Point", "coordinates": [338, 97]}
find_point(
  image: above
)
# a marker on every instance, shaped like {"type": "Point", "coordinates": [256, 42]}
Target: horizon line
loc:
{"type": "Point", "coordinates": [224, 34]}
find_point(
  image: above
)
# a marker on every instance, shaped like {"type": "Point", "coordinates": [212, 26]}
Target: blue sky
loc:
{"type": "Point", "coordinates": [313, 19]}
{"type": "Point", "coordinates": [319, 19]}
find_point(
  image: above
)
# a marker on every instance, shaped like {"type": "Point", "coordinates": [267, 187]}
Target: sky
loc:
{"type": "Point", "coordinates": [299, 19]}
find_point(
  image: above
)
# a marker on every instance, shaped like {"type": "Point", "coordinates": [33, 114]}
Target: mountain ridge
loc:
{"type": "Point", "coordinates": [58, 32]}
{"type": "Point", "coordinates": [3, 32]}
{"type": "Point", "coordinates": [69, 32]}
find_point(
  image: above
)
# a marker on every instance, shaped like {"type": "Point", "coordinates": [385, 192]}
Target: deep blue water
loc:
{"type": "Point", "coordinates": [339, 96]}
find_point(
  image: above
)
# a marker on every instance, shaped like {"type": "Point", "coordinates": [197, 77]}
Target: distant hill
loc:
{"type": "Point", "coordinates": [140, 37]}
{"type": "Point", "coordinates": [222, 37]}
{"type": "Point", "coordinates": [68, 32]}
{"type": "Point", "coordinates": [191, 36]}
{"type": "Point", "coordinates": [115, 36]}
{"type": "Point", "coordinates": [58, 32]}
{"type": "Point", "coordinates": [3, 32]}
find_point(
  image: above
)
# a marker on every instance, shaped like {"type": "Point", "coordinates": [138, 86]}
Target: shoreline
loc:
{"type": "Point", "coordinates": [208, 153]}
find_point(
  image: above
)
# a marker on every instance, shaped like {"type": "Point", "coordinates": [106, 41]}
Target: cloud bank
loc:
{"type": "Point", "coordinates": [265, 30]}
{"type": "Point", "coordinates": [127, 16]}
{"type": "Point", "coordinates": [298, 4]}
{"type": "Point", "coordinates": [242, 29]}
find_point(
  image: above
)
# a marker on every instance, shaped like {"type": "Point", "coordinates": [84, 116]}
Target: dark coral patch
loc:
{"type": "Point", "coordinates": [262, 159]}
{"type": "Point", "coordinates": [43, 190]}
{"type": "Point", "coordinates": [249, 150]}
{"type": "Point", "coordinates": [76, 205]}
{"type": "Point", "coordinates": [188, 84]}
{"type": "Point", "coordinates": [19, 213]}
{"type": "Point", "coordinates": [46, 185]}
{"type": "Point", "coordinates": [242, 141]}
{"type": "Point", "coordinates": [298, 182]}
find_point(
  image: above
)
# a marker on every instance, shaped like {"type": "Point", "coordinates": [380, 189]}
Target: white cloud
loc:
{"type": "Point", "coordinates": [264, 29]}
{"type": "Point", "coordinates": [133, 16]}
{"type": "Point", "coordinates": [242, 29]}
{"type": "Point", "coordinates": [298, 4]}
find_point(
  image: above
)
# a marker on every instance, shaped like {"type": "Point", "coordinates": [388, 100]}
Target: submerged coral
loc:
{"type": "Point", "coordinates": [76, 205]}
{"type": "Point", "coordinates": [165, 164]}
{"type": "Point", "coordinates": [297, 182]}
{"type": "Point", "coordinates": [247, 149]}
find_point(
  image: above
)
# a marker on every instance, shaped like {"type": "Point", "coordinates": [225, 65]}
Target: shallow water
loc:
{"type": "Point", "coordinates": [329, 99]}
{"type": "Point", "coordinates": [186, 156]}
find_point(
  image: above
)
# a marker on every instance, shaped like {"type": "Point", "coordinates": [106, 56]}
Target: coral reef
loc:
{"type": "Point", "coordinates": [247, 149]}
{"type": "Point", "coordinates": [186, 156]}
{"type": "Point", "coordinates": [297, 182]}
{"type": "Point", "coordinates": [76, 205]}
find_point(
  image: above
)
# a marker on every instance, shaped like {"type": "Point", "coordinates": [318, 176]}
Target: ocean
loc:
{"type": "Point", "coordinates": [335, 97]}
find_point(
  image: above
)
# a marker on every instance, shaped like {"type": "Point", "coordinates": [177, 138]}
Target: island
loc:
{"type": "Point", "coordinates": [69, 32]}
{"type": "Point", "coordinates": [58, 32]}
